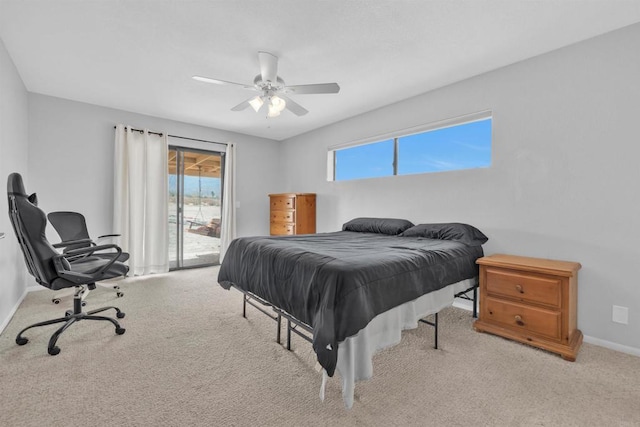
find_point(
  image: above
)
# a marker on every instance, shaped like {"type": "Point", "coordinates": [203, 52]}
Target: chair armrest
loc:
{"type": "Point", "coordinates": [90, 250]}
{"type": "Point", "coordinates": [72, 243]}
{"type": "Point", "coordinates": [72, 276]}
{"type": "Point", "coordinates": [108, 235]}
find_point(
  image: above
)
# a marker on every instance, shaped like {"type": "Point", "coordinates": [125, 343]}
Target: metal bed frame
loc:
{"type": "Point", "coordinates": [293, 324]}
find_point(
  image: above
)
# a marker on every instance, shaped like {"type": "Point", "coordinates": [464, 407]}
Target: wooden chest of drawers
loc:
{"type": "Point", "coordinates": [530, 300]}
{"type": "Point", "coordinates": [292, 213]}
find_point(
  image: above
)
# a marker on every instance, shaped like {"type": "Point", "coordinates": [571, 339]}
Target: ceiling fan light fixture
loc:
{"type": "Point", "coordinates": [278, 103]}
{"type": "Point", "coordinates": [256, 103]}
{"type": "Point", "coordinates": [273, 112]}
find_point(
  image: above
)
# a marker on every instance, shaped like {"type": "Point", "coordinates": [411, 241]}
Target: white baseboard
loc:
{"type": "Point", "coordinates": [612, 345]}
{"type": "Point", "coordinates": [6, 321]}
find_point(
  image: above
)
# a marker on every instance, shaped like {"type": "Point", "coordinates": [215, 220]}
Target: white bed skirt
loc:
{"type": "Point", "coordinates": [355, 354]}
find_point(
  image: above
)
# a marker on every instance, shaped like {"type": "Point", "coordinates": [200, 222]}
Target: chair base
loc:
{"type": "Point", "coordinates": [72, 317]}
{"type": "Point", "coordinates": [119, 293]}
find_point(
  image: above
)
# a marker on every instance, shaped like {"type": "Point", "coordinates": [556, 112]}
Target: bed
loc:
{"type": "Point", "coordinates": [355, 289]}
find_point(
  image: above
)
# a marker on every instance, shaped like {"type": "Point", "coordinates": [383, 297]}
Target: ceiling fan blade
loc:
{"type": "Point", "coordinates": [316, 88]}
{"type": "Point", "coordinates": [221, 82]}
{"type": "Point", "coordinates": [242, 106]}
{"type": "Point", "coordinates": [268, 66]}
{"type": "Point", "coordinates": [293, 106]}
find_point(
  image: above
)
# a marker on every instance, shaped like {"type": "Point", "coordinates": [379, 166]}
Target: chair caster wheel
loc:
{"type": "Point", "coordinates": [116, 287]}
{"type": "Point", "coordinates": [56, 300]}
{"type": "Point", "coordinates": [120, 331]}
{"type": "Point", "coordinates": [68, 313]}
{"type": "Point", "coordinates": [119, 294]}
{"type": "Point", "coordinates": [83, 303]}
{"type": "Point", "coordinates": [120, 315]}
{"type": "Point", "coordinates": [53, 351]}
{"type": "Point", "coordinates": [22, 340]}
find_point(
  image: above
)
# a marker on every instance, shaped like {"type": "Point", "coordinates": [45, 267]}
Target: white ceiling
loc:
{"type": "Point", "coordinates": [139, 55]}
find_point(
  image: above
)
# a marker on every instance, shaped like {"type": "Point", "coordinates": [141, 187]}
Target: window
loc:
{"type": "Point", "coordinates": [441, 147]}
{"type": "Point", "coordinates": [365, 161]}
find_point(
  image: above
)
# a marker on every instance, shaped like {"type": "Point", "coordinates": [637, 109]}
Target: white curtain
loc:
{"type": "Point", "coordinates": [228, 229]}
{"type": "Point", "coordinates": [141, 199]}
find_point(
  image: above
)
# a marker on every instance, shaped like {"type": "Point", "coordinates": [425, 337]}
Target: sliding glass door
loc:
{"type": "Point", "coordinates": [195, 198]}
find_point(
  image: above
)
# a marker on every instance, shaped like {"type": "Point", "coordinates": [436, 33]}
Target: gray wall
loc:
{"type": "Point", "coordinates": [564, 175]}
{"type": "Point", "coordinates": [71, 159]}
{"type": "Point", "coordinates": [13, 158]}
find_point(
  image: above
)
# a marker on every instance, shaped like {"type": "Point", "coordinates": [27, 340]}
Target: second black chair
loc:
{"type": "Point", "coordinates": [73, 232]}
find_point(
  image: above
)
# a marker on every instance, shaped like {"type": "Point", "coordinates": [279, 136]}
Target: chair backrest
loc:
{"type": "Point", "coordinates": [29, 224]}
{"type": "Point", "coordinates": [70, 226]}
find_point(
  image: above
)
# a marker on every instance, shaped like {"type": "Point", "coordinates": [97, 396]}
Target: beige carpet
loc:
{"type": "Point", "coordinates": [189, 358]}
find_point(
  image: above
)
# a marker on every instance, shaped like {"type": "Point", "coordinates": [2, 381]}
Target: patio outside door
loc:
{"type": "Point", "coordinates": [195, 198]}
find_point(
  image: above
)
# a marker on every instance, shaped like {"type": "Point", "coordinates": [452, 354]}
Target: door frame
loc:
{"type": "Point", "coordinates": [180, 150]}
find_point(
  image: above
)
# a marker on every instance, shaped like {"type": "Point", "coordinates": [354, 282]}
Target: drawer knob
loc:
{"type": "Point", "coordinates": [519, 321]}
{"type": "Point", "coordinates": [519, 289]}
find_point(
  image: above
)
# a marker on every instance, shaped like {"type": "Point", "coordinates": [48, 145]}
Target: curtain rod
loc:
{"type": "Point", "coordinates": [200, 140]}
{"type": "Point", "coordinates": [142, 130]}
{"type": "Point", "coordinates": [176, 136]}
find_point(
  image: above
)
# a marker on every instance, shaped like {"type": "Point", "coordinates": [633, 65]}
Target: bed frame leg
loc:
{"type": "Point", "coordinates": [279, 321]}
{"type": "Point", "coordinates": [475, 302]}
{"type": "Point", "coordinates": [244, 306]}
{"type": "Point", "coordinates": [435, 328]}
{"type": "Point", "coordinates": [288, 334]}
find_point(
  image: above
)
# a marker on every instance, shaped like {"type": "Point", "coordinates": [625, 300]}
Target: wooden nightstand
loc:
{"type": "Point", "coordinates": [530, 300]}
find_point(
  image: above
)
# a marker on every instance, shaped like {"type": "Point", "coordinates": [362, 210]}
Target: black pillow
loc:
{"type": "Point", "coordinates": [464, 233]}
{"type": "Point", "coordinates": [390, 226]}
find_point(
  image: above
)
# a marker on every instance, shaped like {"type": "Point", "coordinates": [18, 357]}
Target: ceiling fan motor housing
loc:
{"type": "Point", "coordinates": [268, 85]}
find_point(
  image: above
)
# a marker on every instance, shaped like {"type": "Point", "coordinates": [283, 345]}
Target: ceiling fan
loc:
{"type": "Point", "coordinates": [272, 90]}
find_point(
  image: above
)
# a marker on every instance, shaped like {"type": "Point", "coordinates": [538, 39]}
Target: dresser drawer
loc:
{"type": "Point", "coordinates": [283, 216]}
{"type": "Point", "coordinates": [524, 286]}
{"type": "Point", "coordinates": [282, 203]}
{"type": "Point", "coordinates": [282, 229]}
{"type": "Point", "coordinates": [523, 318]}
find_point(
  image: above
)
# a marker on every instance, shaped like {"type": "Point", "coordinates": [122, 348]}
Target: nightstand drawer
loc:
{"type": "Point", "coordinates": [282, 229]}
{"type": "Point", "coordinates": [283, 216]}
{"type": "Point", "coordinates": [524, 286]}
{"type": "Point", "coordinates": [523, 318]}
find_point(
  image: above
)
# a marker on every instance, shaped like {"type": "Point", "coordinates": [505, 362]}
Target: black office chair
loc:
{"type": "Point", "coordinates": [53, 270]}
{"type": "Point", "coordinates": [72, 229]}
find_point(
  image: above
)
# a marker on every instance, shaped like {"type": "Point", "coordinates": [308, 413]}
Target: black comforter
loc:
{"type": "Point", "coordinates": [337, 282]}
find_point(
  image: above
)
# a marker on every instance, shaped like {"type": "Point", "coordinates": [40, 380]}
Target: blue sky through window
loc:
{"type": "Point", "coordinates": [464, 146]}
{"type": "Point", "coordinates": [365, 161]}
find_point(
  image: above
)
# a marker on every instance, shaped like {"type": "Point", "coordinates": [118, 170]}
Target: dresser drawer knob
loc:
{"type": "Point", "coordinates": [519, 321]}
{"type": "Point", "coordinates": [519, 289]}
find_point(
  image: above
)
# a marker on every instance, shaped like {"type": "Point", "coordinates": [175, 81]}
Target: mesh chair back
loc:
{"type": "Point", "coordinates": [70, 226]}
